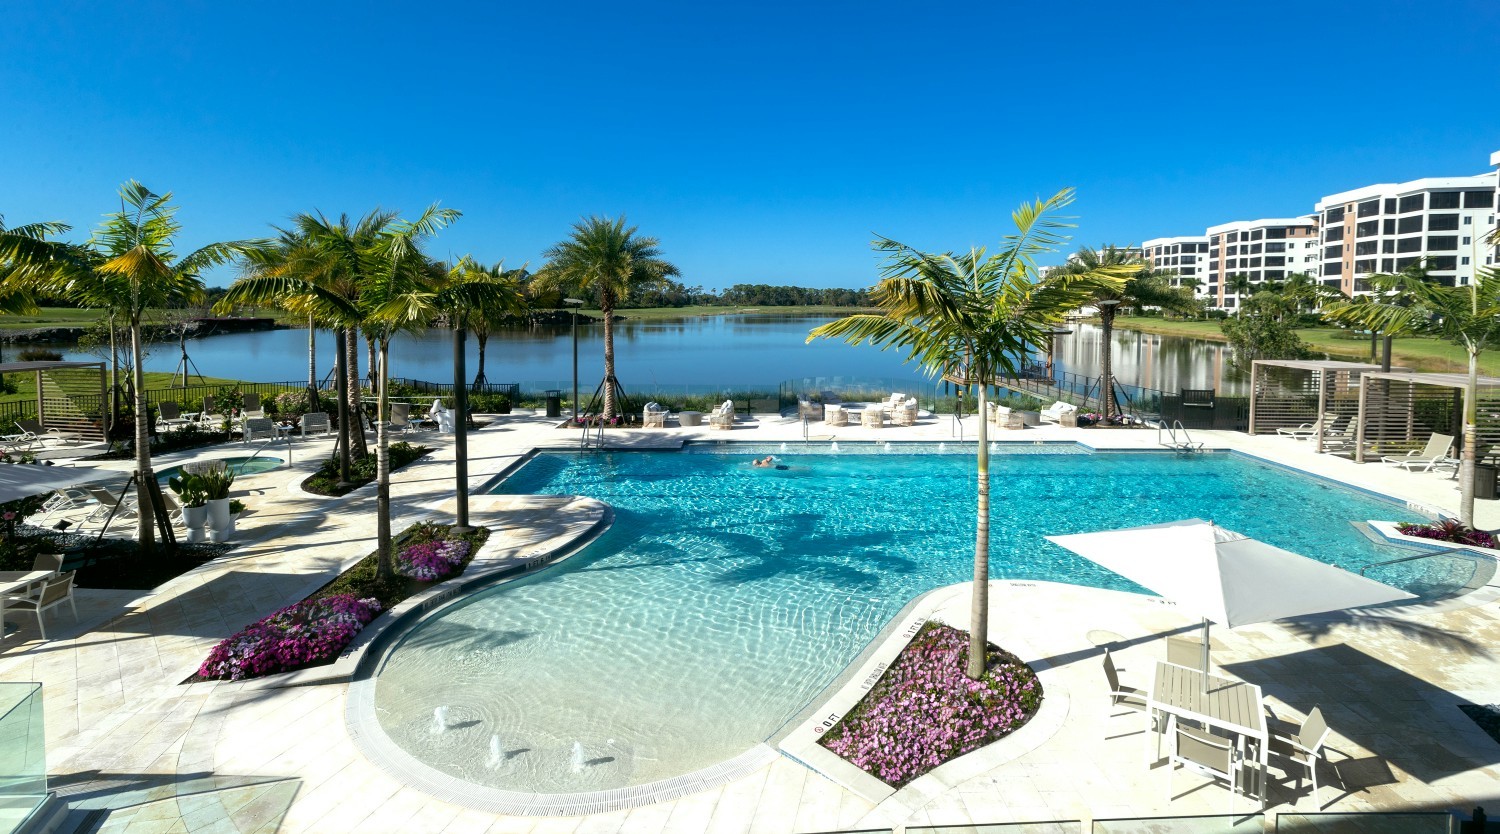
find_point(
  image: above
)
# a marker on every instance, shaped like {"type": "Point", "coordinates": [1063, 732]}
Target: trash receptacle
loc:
{"type": "Point", "coordinates": [1484, 482]}
{"type": "Point", "coordinates": [554, 403]}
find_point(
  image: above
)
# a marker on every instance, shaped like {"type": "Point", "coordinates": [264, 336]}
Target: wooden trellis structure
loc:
{"type": "Point", "coordinates": [1400, 411]}
{"type": "Point", "coordinates": [1288, 393]}
{"type": "Point", "coordinates": [70, 396]}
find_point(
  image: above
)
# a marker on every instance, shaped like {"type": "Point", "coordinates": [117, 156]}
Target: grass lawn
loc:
{"type": "Point", "coordinates": [26, 383]}
{"type": "Point", "coordinates": [1420, 354]}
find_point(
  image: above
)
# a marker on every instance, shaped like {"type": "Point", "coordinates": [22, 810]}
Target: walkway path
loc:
{"type": "Point", "coordinates": [127, 737]}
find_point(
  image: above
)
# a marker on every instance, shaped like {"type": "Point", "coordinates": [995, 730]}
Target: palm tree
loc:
{"type": "Point", "coordinates": [511, 302]}
{"type": "Point", "coordinates": [129, 265]}
{"type": "Point", "coordinates": [1239, 284]}
{"type": "Point", "coordinates": [611, 261]}
{"type": "Point", "coordinates": [1469, 316]}
{"type": "Point", "coordinates": [972, 317]}
{"type": "Point", "coordinates": [1144, 288]}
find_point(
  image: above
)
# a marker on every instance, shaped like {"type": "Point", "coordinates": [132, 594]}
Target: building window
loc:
{"type": "Point", "coordinates": [1369, 228]}
{"type": "Point", "coordinates": [1364, 266]}
{"type": "Point", "coordinates": [1468, 220]}
{"type": "Point", "coordinates": [1440, 222]}
{"type": "Point", "coordinates": [1390, 205]}
{"type": "Point", "coordinates": [1255, 249]}
{"type": "Point", "coordinates": [1335, 268]}
{"type": "Point", "coordinates": [1389, 227]}
{"type": "Point", "coordinates": [1409, 244]}
{"type": "Point", "coordinates": [1464, 260]}
{"type": "Point", "coordinates": [1369, 207]}
{"type": "Point", "coordinates": [1334, 215]}
{"type": "Point", "coordinates": [1442, 263]}
{"type": "Point", "coordinates": [1442, 243]}
{"type": "Point", "coordinates": [1278, 233]}
{"type": "Point", "coordinates": [1365, 247]}
{"type": "Point", "coordinates": [1331, 235]}
{"type": "Point", "coordinates": [1479, 199]}
{"type": "Point", "coordinates": [1410, 203]}
{"type": "Point", "coordinates": [1275, 274]}
{"type": "Point", "coordinates": [1409, 225]}
{"type": "Point", "coordinates": [1275, 247]}
{"type": "Point", "coordinates": [1467, 241]}
{"type": "Point", "coordinates": [1275, 260]}
{"type": "Point", "coordinates": [1445, 199]}
{"type": "Point", "coordinates": [1333, 252]}
{"type": "Point", "coordinates": [1403, 263]}
{"type": "Point", "coordinates": [1387, 247]}
{"type": "Point", "coordinates": [1234, 237]}
{"type": "Point", "coordinates": [1387, 265]}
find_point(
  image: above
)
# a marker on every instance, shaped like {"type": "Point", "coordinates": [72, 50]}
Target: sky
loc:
{"type": "Point", "coordinates": [761, 143]}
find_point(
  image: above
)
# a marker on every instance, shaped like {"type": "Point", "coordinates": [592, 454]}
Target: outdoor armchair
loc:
{"type": "Point", "coordinates": [1121, 695]}
{"type": "Point", "coordinates": [1203, 753]}
{"type": "Point", "coordinates": [1305, 747]}
{"type": "Point", "coordinates": [316, 421]}
{"type": "Point", "coordinates": [1053, 413]}
{"type": "Point", "coordinates": [722, 417]}
{"type": "Point", "coordinates": [54, 593]}
{"type": "Point", "coordinates": [654, 416]}
{"type": "Point", "coordinates": [252, 428]}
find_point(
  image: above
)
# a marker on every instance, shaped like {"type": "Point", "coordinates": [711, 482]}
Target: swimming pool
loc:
{"type": "Point", "coordinates": [249, 465]}
{"type": "Point", "coordinates": [725, 597]}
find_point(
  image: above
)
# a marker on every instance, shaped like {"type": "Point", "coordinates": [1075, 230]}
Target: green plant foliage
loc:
{"type": "Point", "coordinates": [361, 469]}
{"type": "Point", "coordinates": [1262, 337]}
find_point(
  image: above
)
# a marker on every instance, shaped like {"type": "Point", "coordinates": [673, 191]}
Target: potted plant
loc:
{"type": "Point", "coordinates": [194, 500]}
{"type": "Point", "coordinates": [216, 484]}
{"type": "Point", "coordinates": [236, 509]}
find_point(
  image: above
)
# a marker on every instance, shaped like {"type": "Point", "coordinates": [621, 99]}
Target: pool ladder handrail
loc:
{"type": "Point", "coordinates": [1448, 552]}
{"type": "Point", "coordinates": [598, 436]}
{"type": "Point", "coordinates": [1185, 444]}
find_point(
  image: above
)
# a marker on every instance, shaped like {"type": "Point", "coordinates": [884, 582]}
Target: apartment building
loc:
{"type": "Point", "coordinates": [1388, 226]}
{"type": "Point", "coordinates": [1262, 250]}
{"type": "Point", "coordinates": [1187, 256]}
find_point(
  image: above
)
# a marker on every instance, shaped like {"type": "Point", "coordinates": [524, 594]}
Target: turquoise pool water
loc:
{"type": "Point", "coordinates": [239, 466]}
{"type": "Point", "coordinates": [725, 597]}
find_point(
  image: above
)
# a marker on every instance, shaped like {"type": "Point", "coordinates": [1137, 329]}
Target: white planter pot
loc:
{"type": "Point", "coordinates": [197, 535]}
{"type": "Point", "coordinates": [194, 517]}
{"type": "Point", "coordinates": [218, 514]}
{"type": "Point", "coordinates": [221, 534]}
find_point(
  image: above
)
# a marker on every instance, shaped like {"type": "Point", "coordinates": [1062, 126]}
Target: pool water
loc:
{"type": "Point", "coordinates": [725, 597]}
{"type": "Point", "coordinates": [239, 466]}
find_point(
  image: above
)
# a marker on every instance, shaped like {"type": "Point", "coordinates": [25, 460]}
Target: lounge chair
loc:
{"type": "Point", "coordinates": [1203, 753]}
{"type": "Point", "coordinates": [1341, 439]}
{"type": "Point", "coordinates": [441, 417]}
{"type": "Point", "coordinates": [1305, 747]}
{"type": "Point", "coordinates": [208, 418]}
{"type": "Point", "coordinates": [33, 432]}
{"type": "Point", "coordinates": [108, 503]}
{"type": "Point", "coordinates": [54, 593]}
{"type": "Point", "coordinates": [401, 418]}
{"type": "Point", "coordinates": [169, 417]}
{"type": "Point", "coordinates": [70, 498]}
{"type": "Point", "coordinates": [722, 417]}
{"type": "Point", "coordinates": [1053, 413]}
{"type": "Point", "coordinates": [1307, 431]}
{"type": "Point", "coordinates": [809, 410]}
{"type": "Point", "coordinates": [829, 398]}
{"type": "Point", "coordinates": [654, 416]}
{"type": "Point", "coordinates": [316, 421]}
{"type": "Point", "coordinates": [252, 408]}
{"type": "Point", "coordinates": [1432, 456]}
{"type": "Point", "coordinates": [254, 428]}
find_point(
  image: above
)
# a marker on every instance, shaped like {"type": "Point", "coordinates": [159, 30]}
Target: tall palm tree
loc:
{"type": "Point", "coordinates": [972, 317]}
{"type": "Point", "coordinates": [129, 264]}
{"type": "Point", "coordinates": [510, 300]}
{"type": "Point", "coordinates": [1239, 284]}
{"type": "Point", "coordinates": [1144, 288]}
{"type": "Point", "coordinates": [1469, 316]}
{"type": "Point", "coordinates": [605, 258]}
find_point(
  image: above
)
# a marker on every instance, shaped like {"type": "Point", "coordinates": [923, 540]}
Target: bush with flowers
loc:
{"type": "Point", "coordinates": [1448, 530]}
{"type": "Point", "coordinates": [925, 710]}
{"type": "Point", "coordinates": [311, 632]}
{"type": "Point", "coordinates": [432, 560]}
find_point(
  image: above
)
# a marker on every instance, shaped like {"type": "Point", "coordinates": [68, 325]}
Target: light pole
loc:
{"type": "Point", "coordinates": [460, 422]}
{"type": "Point", "coordinates": [575, 303]}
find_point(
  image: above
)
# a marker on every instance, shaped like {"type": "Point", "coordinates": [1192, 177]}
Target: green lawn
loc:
{"type": "Point", "coordinates": [26, 384]}
{"type": "Point", "coordinates": [51, 317]}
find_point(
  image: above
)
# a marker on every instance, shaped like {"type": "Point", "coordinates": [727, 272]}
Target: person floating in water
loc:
{"type": "Point", "coordinates": [765, 462]}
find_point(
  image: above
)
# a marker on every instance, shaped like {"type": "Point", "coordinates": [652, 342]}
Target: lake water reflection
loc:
{"type": "Point", "coordinates": [729, 351]}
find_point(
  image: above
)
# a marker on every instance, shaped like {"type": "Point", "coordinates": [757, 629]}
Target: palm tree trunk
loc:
{"type": "Point", "coordinates": [371, 372]}
{"type": "Point", "coordinates": [607, 307]}
{"type": "Point", "coordinates": [144, 534]}
{"type": "Point", "coordinates": [979, 606]}
{"type": "Point", "coordinates": [1471, 444]}
{"type": "Point", "coordinates": [385, 564]}
{"type": "Point", "coordinates": [114, 380]}
{"type": "Point", "coordinates": [357, 446]}
{"type": "Point", "coordinates": [312, 365]}
{"type": "Point", "coordinates": [341, 376]}
{"type": "Point", "coordinates": [1107, 373]}
{"type": "Point", "coordinates": [482, 338]}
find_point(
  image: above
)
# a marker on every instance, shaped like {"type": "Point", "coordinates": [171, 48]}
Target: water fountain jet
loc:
{"type": "Point", "coordinates": [439, 720]}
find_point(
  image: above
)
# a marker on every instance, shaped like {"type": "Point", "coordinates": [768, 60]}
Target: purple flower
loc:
{"type": "Point", "coordinates": [309, 632]}
{"type": "Point", "coordinates": [431, 561]}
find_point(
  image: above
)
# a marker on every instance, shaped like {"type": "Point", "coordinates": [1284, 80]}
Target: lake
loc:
{"type": "Point", "coordinates": [703, 353]}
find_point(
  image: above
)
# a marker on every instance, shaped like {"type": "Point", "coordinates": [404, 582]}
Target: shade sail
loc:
{"type": "Point", "coordinates": [23, 480]}
{"type": "Point", "coordinates": [1225, 577]}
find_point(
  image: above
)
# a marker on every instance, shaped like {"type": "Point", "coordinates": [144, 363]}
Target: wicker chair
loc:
{"type": "Point", "coordinates": [906, 415]}
{"type": "Point", "coordinates": [722, 417]}
{"type": "Point", "coordinates": [872, 418]}
{"type": "Point", "coordinates": [654, 416]}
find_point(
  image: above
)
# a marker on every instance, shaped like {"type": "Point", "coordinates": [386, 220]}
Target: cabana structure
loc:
{"type": "Point", "coordinates": [70, 397]}
{"type": "Point", "coordinates": [1399, 411]}
{"type": "Point", "coordinates": [1294, 393]}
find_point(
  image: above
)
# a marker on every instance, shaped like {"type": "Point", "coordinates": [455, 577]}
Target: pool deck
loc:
{"type": "Point", "coordinates": [130, 743]}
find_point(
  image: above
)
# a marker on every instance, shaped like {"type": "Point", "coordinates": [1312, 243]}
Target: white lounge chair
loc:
{"type": "Point", "coordinates": [443, 417]}
{"type": "Point", "coordinates": [1307, 431]}
{"type": "Point", "coordinates": [169, 417]}
{"type": "Point", "coordinates": [252, 408]}
{"type": "Point", "coordinates": [722, 417]}
{"type": "Point", "coordinates": [1434, 455]}
{"type": "Point", "coordinates": [1053, 413]}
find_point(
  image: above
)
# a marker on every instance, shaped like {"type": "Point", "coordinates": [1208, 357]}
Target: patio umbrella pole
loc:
{"type": "Point", "coordinates": [1206, 625]}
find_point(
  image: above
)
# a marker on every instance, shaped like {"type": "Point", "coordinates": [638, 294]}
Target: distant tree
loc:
{"type": "Point", "coordinates": [1267, 332]}
{"type": "Point", "coordinates": [1239, 284]}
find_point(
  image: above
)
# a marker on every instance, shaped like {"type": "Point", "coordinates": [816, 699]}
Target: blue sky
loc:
{"type": "Point", "coordinates": [760, 142]}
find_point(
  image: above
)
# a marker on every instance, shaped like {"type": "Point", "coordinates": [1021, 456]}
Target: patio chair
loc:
{"type": "Point", "coordinates": [316, 421]}
{"type": "Point", "coordinates": [1305, 747]}
{"type": "Point", "coordinates": [1307, 431]}
{"type": "Point", "coordinates": [1053, 413]}
{"type": "Point", "coordinates": [835, 415]}
{"type": "Point", "coordinates": [1184, 651]}
{"type": "Point", "coordinates": [47, 561]}
{"type": "Point", "coordinates": [69, 498]}
{"type": "Point", "coordinates": [906, 415]}
{"type": "Point", "coordinates": [1432, 456]}
{"type": "Point", "coordinates": [1204, 753]}
{"type": "Point", "coordinates": [107, 503]}
{"type": "Point", "coordinates": [252, 407]}
{"type": "Point", "coordinates": [33, 432]}
{"type": "Point", "coordinates": [208, 418]}
{"type": "Point", "coordinates": [722, 417]}
{"type": "Point", "coordinates": [1130, 698]}
{"type": "Point", "coordinates": [442, 418]}
{"type": "Point", "coordinates": [809, 410]}
{"type": "Point", "coordinates": [54, 593]}
{"type": "Point", "coordinates": [169, 416]}
{"type": "Point", "coordinates": [254, 428]}
{"type": "Point", "coordinates": [654, 416]}
{"type": "Point", "coordinates": [401, 418]}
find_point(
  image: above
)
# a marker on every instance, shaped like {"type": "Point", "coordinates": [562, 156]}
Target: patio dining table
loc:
{"type": "Point", "coordinates": [1230, 705]}
{"type": "Point", "coordinates": [16, 580]}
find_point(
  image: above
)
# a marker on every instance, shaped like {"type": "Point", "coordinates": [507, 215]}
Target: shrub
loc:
{"type": "Point", "coordinates": [925, 710]}
{"type": "Point", "coordinates": [1448, 530]}
{"type": "Point", "coordinates": [431, 561]}
{"type": "Point", "coordinates": [361, 469]}
{"type": "Point", "coordinates": [310, 632]}
{"type": "Point", "coordinates": [39, 355]}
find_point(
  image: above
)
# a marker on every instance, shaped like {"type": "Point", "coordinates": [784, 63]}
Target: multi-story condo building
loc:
{"type": "Point", "coordinates": [1388, 226]}
{"type": "Point", "coordinates": [1186, 256]}
{"type": "Point", "coordinates": [1261, 250]}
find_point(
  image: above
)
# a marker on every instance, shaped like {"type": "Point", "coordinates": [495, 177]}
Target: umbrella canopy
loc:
{"type": "Point", "coordinates": [1225, 577]}
{"type": "Point", "coordinates": [19, 480]}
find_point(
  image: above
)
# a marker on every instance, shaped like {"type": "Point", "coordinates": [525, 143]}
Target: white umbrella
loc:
{"type": "Point", "coordinates": [1224, 577]}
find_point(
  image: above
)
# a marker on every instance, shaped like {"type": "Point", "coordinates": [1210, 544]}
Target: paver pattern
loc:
{"type": "Point", "coordinates": [133, 749]}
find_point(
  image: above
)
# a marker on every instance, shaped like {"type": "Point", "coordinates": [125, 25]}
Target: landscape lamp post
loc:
{"type": "Point", "coordinates": [460, 424]}
{"type": "Point", "coordinates": [575, 303]}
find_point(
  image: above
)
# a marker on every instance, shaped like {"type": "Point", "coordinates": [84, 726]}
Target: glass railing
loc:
{"type": "Point", "coordinates": [1374, 822]}
{"type": "Point", "coordinates": [1416, 823]}
{"type": "Point", "coordinates": [1228, 824]}
{"type": "Point", "coordinates": [1055, 827]}
{"type": "Point", "coordinates": [23, 759]}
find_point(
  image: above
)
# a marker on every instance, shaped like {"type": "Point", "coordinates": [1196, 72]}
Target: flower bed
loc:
{"type": "Point", "coordinates": [317, 629]}
{"type": "Point", "coordinates": [925, 710]}
{"type": "Point", "coordinates": [1449, 530]}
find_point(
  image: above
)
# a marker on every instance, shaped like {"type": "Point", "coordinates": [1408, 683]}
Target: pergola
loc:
{"type": "Point", "coordinates": [68, 396]}
{"type": "Point", "coordinates": [1401, 410]}
{"type": "Point", "coordinates": [1289, 393]}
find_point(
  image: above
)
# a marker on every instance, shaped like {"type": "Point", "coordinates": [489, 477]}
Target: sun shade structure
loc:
{"type": "Point", "coordinates": [70, 396]}
{"type": "Point", "coordinates": [1224, 577]}
{"type": "Point", "coordinates": [23, 480]}
{"type": "Point", "coordinates": [1400, 411]}
{"type": "Point", "coordinates": [1288, 393]}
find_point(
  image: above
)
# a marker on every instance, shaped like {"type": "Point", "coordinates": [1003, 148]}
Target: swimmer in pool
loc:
{"type": "Point", "coordinates": [765, 462]}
